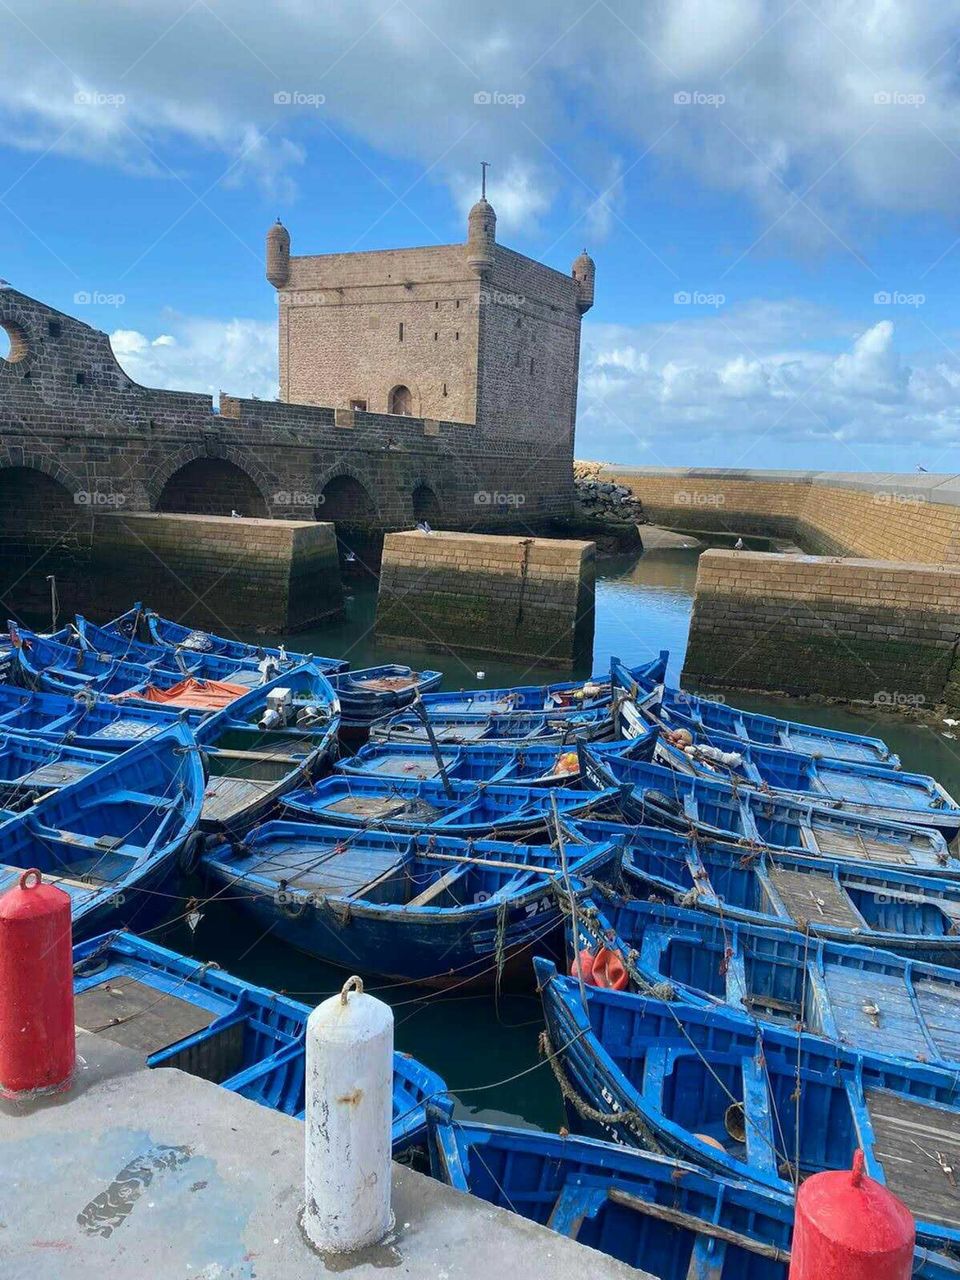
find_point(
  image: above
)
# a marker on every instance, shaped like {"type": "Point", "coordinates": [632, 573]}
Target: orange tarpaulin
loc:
{"type": "Point", "coordinates": [204, 695]}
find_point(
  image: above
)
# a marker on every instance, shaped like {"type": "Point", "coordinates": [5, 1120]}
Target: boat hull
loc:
{"type": "Point", "coordinates": [714, 1088]}
{"type": "Point", "coordinates": [199, 1019]}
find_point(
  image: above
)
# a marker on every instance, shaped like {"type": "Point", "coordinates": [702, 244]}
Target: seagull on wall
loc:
{"type": "Point", "coordinates": [738, 545]}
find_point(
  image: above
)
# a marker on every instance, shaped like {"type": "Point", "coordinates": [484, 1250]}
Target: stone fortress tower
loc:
{"type": "Point", "coordinates": [467, 333]}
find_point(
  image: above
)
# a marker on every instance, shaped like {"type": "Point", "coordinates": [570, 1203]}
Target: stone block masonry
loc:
{"type": "Point", "coordinates": [883, 516]}
{"type": "Point", "coordinates": [860, 630]}
{"type": "Point", "coordinates": [79, 438]}
{"type": "Point", "coordinates": [239, 575]}
{"type": "Point", "coordinates": [519, 597]}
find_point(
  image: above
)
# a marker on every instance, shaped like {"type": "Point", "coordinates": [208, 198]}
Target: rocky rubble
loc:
{"type": "Point", "coordinates": [601, 500]}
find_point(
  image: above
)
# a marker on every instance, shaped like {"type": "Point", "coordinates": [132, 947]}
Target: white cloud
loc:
{"type": "Point", "coordinates": [749, 387]}
{"type": "Point", "coordinates": [854, 106]}
{"type": "Point", "coordinates": [523, 195]}
{"type": "Point", "coordinates": [201, 354]}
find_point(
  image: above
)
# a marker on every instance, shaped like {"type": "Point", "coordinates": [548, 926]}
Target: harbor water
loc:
{"type": "Point", "coordinates": [484, 1044]}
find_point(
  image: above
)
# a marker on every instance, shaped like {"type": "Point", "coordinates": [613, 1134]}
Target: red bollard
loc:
{"type": "Point", "coordinates": [38, 1047]}
{"type": "Point", "coordinates": [850, 1227]}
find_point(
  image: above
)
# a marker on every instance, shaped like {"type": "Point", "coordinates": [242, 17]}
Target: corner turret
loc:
{"type": "Point", "coordinates": [278, 255]}
{"type": "Point", "coordinates": [584, 273]}
{"type": "Point", "coordinates": [481, 236]}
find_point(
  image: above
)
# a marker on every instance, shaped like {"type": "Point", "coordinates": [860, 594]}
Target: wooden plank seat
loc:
{"type": "Point", "coordinates": [256, 757]}
{"type": "Point", "coordinates": [55, 773]}
{"type": "Point", "coordinates": [438, 887]}
{"type": "Point", "coordinates": [137, 1016]}
{"type": "Point", "coordinates": [918, 1145]}
{"type": "Point", "coordinates": [74, 882]}
{"type": "Point", "coordinates": [853, 844]}
{"type": "Point", "coordinates": [814, 898]}
{"type": "Point", "coordinates": [337, 871]}
{"type": "Point", "coordinates": [225, 796]}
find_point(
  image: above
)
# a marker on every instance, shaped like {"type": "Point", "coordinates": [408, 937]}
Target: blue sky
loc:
{"type": "Point", "coordinates": [792, 166]}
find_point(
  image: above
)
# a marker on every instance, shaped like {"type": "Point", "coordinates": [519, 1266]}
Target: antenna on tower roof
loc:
{"type": "Point", "coordinates": [484, 166]}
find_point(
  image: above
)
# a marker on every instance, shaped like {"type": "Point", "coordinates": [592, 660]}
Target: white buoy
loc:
{"type": "Point", "coordinates": [349, 1121]}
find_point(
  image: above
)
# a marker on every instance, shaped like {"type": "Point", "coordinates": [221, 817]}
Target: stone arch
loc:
{"type": "Point", "coordinates": [400, 401]}
{"type": "Point", "coordinates": [426, 504]}
{"type": "Point", "coordinates": [349, 505]}
{"type": "Point", "coordinates": [161, 468]}
{"type": "Point", "coordinates": [42, 532]}
{"type": "Point", "coordinates": [212, 486]}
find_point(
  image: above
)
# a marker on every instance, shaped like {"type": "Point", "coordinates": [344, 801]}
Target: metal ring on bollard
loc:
{"type": "Point", "coordinates": [352, 984]}
{"type": "Point", "coordinates": [26, 876]}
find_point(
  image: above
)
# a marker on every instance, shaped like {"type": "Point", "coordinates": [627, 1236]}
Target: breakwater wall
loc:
{"type": "Point", "coordinates": [213, 571]}
{"type": "Point", "coordinates": [878, 515]}
{"type": "Point", "coordinates": [884, 632]}
{"type": "Point", "coordinates": [522, 597]}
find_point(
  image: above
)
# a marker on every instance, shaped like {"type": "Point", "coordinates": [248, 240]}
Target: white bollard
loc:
{"type": "Point", "coordinates": [349, 1121]}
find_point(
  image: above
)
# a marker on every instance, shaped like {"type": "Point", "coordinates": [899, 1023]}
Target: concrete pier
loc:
{"type": "Point", "coordinates": [138, 1173]}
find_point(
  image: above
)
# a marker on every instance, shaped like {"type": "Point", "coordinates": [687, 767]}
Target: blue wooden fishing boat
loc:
{"type": "Point", "coordinates": [567, 695]}
{"type": "Point", "coordinates": [264, 744]}
{"type": "Point", "coordinates": [32, 767]}
{"type": "Point", "coordinates": [196, 1018]}
{"type": "Point", "coordinates": [373, 692]}
{"type": "Point", "coordinates": [845, 786]}
{"type": "Point", "coordinates": [47, 664]}
{"type": "Point", "coordinates": [506, 728]}
{"type": "Point", "coordinates": [661, 1215]}
{"type": "Point", "coordinates": [852, 902]}
{"type": "Point", "coordinates": [743, 1099]}
{"type": "Point", "coordinates": [653, 794]}
{"type": "Point", "coordinates": [679, 709]}
{"type": "Point", "coordinates": [426, 909]}
{"type": "Point", "coordinates": [174, 635]}
{"type": "Point", "coordinates": [205, 666]}
{"type": "Point", "coordinates": [859, 996]}
{"type": "Point", "coordinates": [41, 663]}
{"type": "Point", "coordinates": [84, 719]}
{"type": "Point", "coordinates": [535, 764]}
{"type": "Point", "coordinates": [459, 809]}
{"type": "Point", "coordinates": [112, 838]}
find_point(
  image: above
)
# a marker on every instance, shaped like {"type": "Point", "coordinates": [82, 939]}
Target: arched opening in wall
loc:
{"type": "Point", "coordinates": [13, 342]}
{"type": "Point", "coordinates": [347, 504]}
{"type": "Point", "coordinates": [42, 532]}
{"type": "Point", "coordinates": [212, 487]}
{"type": "Point", "coordinates": [400, 401]}
{"type": "Point", "coordinates": [426, 506]}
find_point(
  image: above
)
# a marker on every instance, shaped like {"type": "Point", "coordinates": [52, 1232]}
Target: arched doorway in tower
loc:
{"type": "Point", "coordinates": [347, 504]}
{"type": "Point", "coordinates": [400, 401]}
{"type": "Point", "coordinates": [44, 529]}
{"type": "Point", "coordinates": [212, 487]}
{"type": "Point", "coordinates": [426, 505]}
